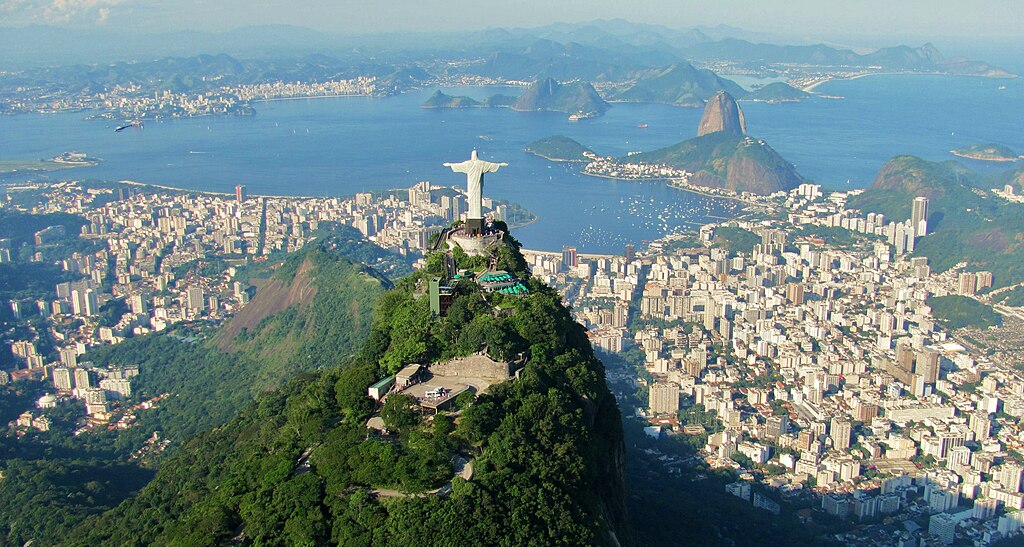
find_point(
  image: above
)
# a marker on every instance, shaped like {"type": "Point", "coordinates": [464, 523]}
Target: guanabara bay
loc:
{"type": "Point", "coordinates": [661, 273]}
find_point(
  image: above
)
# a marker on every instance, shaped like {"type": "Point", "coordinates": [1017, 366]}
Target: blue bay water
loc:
{"type": "Point", "coordinates": [327, 147]}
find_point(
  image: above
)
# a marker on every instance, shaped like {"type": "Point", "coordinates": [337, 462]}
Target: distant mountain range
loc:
{"type": "Point", "coordinates": [926, 58]}
{"type": "Point", "coordinates": [630, 62]}
{"type": "Point", "coordinates": [597, 51]}
{"type": "Point", "coordinates": [616, 50]}
{"type": "Point", "coordinates": [679, 84]}
{"type": "Point", "coordinates": [208, 72]}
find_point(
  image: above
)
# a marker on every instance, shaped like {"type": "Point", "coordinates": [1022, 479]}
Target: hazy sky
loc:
{"type": "Point", "coordinates": [813, 19]}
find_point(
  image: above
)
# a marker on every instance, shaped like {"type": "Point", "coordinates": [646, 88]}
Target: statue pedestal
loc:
{"type": "Point", "coordinates": [474, 226]}
{"type": "Point", "coordinates": [473, 245]}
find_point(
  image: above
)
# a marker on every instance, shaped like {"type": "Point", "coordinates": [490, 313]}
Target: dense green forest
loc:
{"type": "Point", "coordinates": [211, 385]}
{"type": "Point", "coordinates": [1012, 297]}
{"type": "Point", "coordinates": [736, 240]}
{"type": "Point", "coordinates": [558, 148]}
{"type": "Point", "coordinates": [957, 312]}
{"type": "Point", "coordinates": [298, 466]}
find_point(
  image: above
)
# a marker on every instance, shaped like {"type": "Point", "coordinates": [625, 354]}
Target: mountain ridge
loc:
{"type": "Point", "coordinates": [298, 467]}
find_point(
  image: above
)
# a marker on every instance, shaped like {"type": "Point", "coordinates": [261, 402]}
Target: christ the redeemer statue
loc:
{"type": "Point", "coordinates": [475, 168]}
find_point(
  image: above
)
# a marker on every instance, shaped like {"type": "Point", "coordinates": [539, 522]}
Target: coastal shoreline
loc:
{"type": "Point", "coordinates": [517, 226]}
{"type": "Point", "coordinates": [43, 166]}
{"type": "Point", "coordinates": [693, 190]}
{"type": "Point", "coordinates": [556, 160]}
{"type": "Point", "coordinates": [984, 158]}
{"type": "Point", "coordinates": [207, 192]}
{"type": "Point", "coordinates": [595, 175]}
{"type": "Point", "coordinates": [305, 97]}
{"type": "Point", "coordinates": [671, 183]}
{"type": "Point", "coordinates": [810, 88]}
{"type": "Point", "coordinates": [856, 76]}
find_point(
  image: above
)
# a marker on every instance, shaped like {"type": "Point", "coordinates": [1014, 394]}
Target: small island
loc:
{"type": "Point", "coordinates": [777, 92]}
{"type": "Point", "coordinates": [559, 148]}
{"type": "Point", "coordinates": [442, 100]}
{"type": "Point", "coordinates": [986, 152]}
{"type": "Point", "coordinates": [75, 159]}
{"type": "Point", "coordinates": [65, 160]}
{"type": "Point", "coordinates": [579, 99]}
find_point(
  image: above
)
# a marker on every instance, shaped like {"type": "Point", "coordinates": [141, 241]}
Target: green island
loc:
{"type": "Point", "coordinates": [986, 152]}
{"type": "Point", "coordinates": [558, 148]}
{"type": "Point", "coordinates": [578, 98]}
{"type": "Point", "coordinates": [442, 100]}
{"type": "Point", "coordinates": [777, 92]}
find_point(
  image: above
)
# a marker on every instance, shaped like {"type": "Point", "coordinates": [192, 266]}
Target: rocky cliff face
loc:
{"type": "Point", "coordinates": [722, 159]}
{"type": "Point", "coordinates": [763, 172]}
{"type": "Point", "coordinates": [722, 114]}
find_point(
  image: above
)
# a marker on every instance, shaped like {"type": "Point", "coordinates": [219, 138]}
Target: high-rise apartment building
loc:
{"type": "Point", "coordinates": [919, 216]}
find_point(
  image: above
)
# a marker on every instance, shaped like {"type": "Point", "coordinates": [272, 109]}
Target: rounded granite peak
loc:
{"type": "Point", "coordinates": [721, 113]}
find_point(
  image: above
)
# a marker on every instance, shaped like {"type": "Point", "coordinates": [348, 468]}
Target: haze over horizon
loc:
{"type": "Point", "coordinates": [913, 20]}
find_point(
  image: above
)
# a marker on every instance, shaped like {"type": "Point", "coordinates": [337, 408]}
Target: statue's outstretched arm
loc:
{"type": "Point", "coordinates": [458, 167]}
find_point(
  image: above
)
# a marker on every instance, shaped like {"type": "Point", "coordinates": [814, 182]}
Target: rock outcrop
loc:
{"type": "Point", "coordinates": [723, 156]}
{"type": "Point", "coordinates": [441, 100]}
{"type": "Point", "coordinates": [722, 114]}
{"type": "Point", "coordinates": [571, 98]}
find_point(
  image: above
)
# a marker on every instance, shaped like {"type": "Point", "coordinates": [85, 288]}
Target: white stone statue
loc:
{"type": "Point", "coordinates": [474, 168]}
